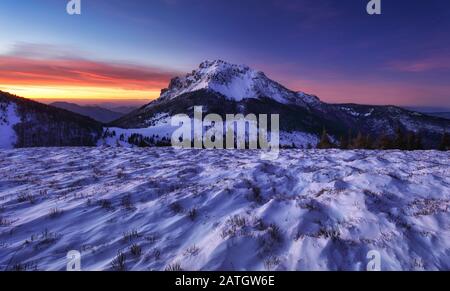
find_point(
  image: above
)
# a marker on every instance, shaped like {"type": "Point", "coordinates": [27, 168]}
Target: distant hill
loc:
{"type": "Point", "coordinates": [117, 108]}
{"type": "Point", "coordinates": [95, 112]}
{"type": "Point", "coordinates": [27, 123]}
{"type": "Point", "coordinates": [445, 115]}
{"type": "Point", "coordinates": [442, 112]}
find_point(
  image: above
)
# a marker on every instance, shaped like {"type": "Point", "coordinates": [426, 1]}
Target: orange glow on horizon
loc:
{"type": "Point", "coordinates": [79, 93]}
{"type": "Point", "coordinates": [80, 79]}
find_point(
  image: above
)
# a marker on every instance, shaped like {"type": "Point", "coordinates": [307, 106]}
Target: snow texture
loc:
{"type": "Point", "coordinates": [223, 210]}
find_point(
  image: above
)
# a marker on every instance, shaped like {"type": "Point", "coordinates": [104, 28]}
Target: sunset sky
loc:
{"type": "Point", "coordinates": [130, 49]}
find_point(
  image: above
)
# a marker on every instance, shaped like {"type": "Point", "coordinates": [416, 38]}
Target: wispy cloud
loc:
{"type": "Point", "coordinates": [44, 51]}
{"type": "Point", "coordinates": [421, 65]}
{"type": "Point", "coordinates": [25, 65]}
{"type": "Point", "coordinates": [17, 70]}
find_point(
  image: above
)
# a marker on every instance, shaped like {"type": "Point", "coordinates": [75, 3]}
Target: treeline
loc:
{"type": "Point", "coordinates": [402, 140]}
{"type": "Point", "coordinates": [139, 140]}
{"type": "Point", "coordinates": [408, 141]}
{"type": "Point", "coordinates": [143, 141]}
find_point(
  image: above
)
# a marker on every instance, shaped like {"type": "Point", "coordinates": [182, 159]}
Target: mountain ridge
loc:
{"type": "Point", "coordinates": [236, 82]}
{"type": "Point", "coordinates": [98, 113]}
{"type": "Point", "coordinates": [303, 117]}
{"type": "Point", "coordinates": [213, 84]}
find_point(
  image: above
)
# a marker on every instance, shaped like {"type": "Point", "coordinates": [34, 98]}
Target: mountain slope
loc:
{"type": "Point", "coordinates": [26, 123]}
{"type": "Point", "coordinates": [224, 88]}
{"type": "Point", "coordinates": [8, 119]}
{"type": "Point", "coordinates": [95, 112]}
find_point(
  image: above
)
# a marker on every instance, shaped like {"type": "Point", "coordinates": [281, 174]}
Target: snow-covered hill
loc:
{"type": "Point", "coordinates": [156, 209]}
{"type": "Point", "coordinates": [26, 123]}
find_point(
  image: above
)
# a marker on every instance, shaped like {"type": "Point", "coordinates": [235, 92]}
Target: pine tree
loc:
{"type": "Point", "coordinates": [445, 142]}
{"type": "Point", "coordinates": [343, 143]}
{"type": "Point", "coordinates": [410, 141]}
{"type": "Point", "coordinates": [418, 145]}
{"type": "Point", "coordinates": [349, 139]}
{"type": "Point", "coordinates": [384, 142]}
{"type": "Point", "coordinates": [368, 142]}
{"type": "Point", "coordinates": [400, 140]}
{"type": "Point", "coordinates": [359, 142]}
{"type": "Point", "coordinates": [325, 142]}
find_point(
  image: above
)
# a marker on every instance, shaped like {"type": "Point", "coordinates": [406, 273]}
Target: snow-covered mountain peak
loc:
{"type": "Point", "coordinates": [220, 65]}
{"type": "Point", "coordinates": [235, 82]}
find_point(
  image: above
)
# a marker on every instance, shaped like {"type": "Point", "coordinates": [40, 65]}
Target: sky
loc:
{"type": "Point", "coordinates": [128, 50]}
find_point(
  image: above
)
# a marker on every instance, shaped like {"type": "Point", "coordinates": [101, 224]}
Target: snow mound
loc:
{"type": "Point", "coordinates": [159, 208]}
{"type": "Point", "coordinates": [236, 82]}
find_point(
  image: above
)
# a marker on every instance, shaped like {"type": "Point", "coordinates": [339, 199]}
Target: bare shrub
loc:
{"type": "Point", "coordinates": [136, 250]}
{"type": "Point", "coordinates": [255, 195]}
{"type": "Point", "coordinates": [238, 221]}
{"type": "Point", "coordinates": [176, 208]}
{"type": "Point", "coordinates": [5, 221]}
{"type": "Point", "coordinates": [275, 233]}
{"type": "Point", "coordinates": [25, 267]}
{"type": "Point", "coordinates": [152, 238]}
{"type": "Point", "coordinates": [328, 233]}
{"type": "Point", "coordinates": [192, 251]}
{"type": "Point", "coordinates": [234, 226]}
{"type": "Point", "coordinates": [308, 204]}
{"type": "Point", "coordinates": [105, 204]}
{"type": "Point", "coordinates": [121, 174]}
{"type": "Point", "coordinates": [55, 213]}
{"type": "Point", "coordinates": [130, 235]}
{"type": "Point", "coordinates": [192, 214]}
{"type": "Point", "coordinates": [175, 267]}
{"type": "Point", "coordinates": [154, 254]}
{"type": "Point", "coordinates": [127, 202]}
{"type": "Point", "coordinates": [44, 239]}
{"type": "Point", "coordinates": [259, 224]}
{"type": "Point", "coordinates": [26, 198]}
{"type": "Point", "coordinates": [271, 239]}
{"type": "Point", "coordinates": [118, 263]}
{"type": "Point", "coordinates": [271, 263]}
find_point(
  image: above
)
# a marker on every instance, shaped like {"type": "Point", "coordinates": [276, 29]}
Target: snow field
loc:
{"type": "Point", "coordinates": [160, 208]}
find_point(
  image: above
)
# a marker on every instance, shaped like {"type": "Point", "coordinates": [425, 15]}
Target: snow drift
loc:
{"type": "Point", "coordinates": [157, 209]}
